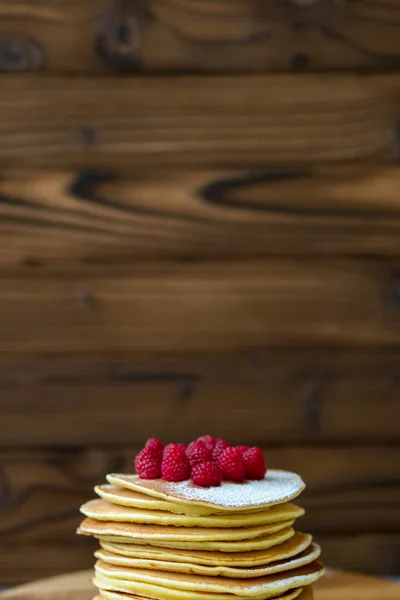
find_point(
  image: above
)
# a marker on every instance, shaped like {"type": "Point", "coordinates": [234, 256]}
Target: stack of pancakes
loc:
{"type": "Point", "coordinates": [177, 541]}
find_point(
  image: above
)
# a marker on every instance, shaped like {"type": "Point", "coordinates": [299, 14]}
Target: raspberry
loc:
{"type": "Point", "coordinates": [243, 448]}
{"type": "Point", "coordinates": [206, 474]}
{"type": "Point", "coordinates": [198, 452]}
{"type": "Point", "coordinates": [208, 440]}
{"type": "Point", "coordinates": [155, 444]}
{"type": "Point", "coordinates": [254, 462]}
{"type": "Point", "coordinates": [148, 463]}
{"type": "Point", "coordinates": [219, 447]}
{"type": "Point", "coordinates": [168, 447]}
{"type": "Point", "coordinates": [231, 464]}
{"type": "Point", "coordinates": [175, 464]}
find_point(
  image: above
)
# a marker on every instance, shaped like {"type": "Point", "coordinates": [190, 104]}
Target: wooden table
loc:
{"type": "Point", "coordinates": [334, 586]}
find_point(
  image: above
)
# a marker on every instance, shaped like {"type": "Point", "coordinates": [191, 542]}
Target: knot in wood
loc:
{"type": "Point", "coordinates": [120, 34]}
{"type": "Point", "coordinates": [84, 298]}
{"type": "Point", "coordinates": [20, 53]}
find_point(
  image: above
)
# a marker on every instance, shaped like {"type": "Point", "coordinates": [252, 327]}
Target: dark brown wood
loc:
{"type": "Point", "coordinates": [51, 218]}
{"type": "Point", "coordinates": [201, 307]}
{"type": "Point", "coordinates": [245, 121]}
{"type": "Point", "coordinates": [374, 554]}
{"type": "Point", "coordinates": [301, 395]}
{"type": "Point", "coordinates": [169, 34]}
{"type": "Point", "coordinates": [285, 188]}
{"type": "Point", "coordinates": [354, 520]}
{"type": "Point", "coordinates": [213, 367]}
{"type": "Point", "coordinates": [23, 563]}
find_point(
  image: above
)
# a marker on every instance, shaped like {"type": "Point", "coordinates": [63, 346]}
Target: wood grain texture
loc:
{"type": "Point", "coordinates": [178, 307]}
{"type": "Point", "coordinates": [77, 585]}
{"type": "Point", "coordinates": [95, 36]}
{"type": "Point", "coordinates": [196, 121]}
{"type": "Point", "coordinates": [110, 217]}
{"type": "Point", "coordinates": [306, 395]}
{"type": "Point", "coordinates": [191, 168]}
{"type": "Point", "coordinates": [350, 490]}
{"type": "Point", "coordinates": [367, 553]}
{"type": "Point", "coordinates": [23, 563]}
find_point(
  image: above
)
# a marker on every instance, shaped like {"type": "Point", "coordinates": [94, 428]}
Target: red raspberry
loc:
{"type": "Point", "coordinates": [206, 474]}
{"type": "Point", "coordinates": [148, 464]}
{"type": "Point", "coordinates": [231, 464]}
{"type": "Point", "coordinates": [169, 447]}
{"type": "Point", "coordinates": [254, 462]}
{"type": "Point", "coordinates": [219, 447]}
{"type": "Point", "coordinates": [209, 440]}
{"type": "Point", "coordinates": [175, 464]}
{"type": "Point", "coordinates": [156, 444]}
{"type": "Point", "coordinates": [243, 448]}
{"type": "Point", "coordinates": [197, 452]}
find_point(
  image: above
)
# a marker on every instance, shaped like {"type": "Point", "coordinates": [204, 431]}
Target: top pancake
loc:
{"type": "Point", "coordinates": [276, 488]}
{"type": "Point", "coordinates": [134, 499]}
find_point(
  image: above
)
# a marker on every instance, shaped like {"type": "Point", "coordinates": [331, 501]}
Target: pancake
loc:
{"type": "Point", "coordinates": [304, 558]}
{"type": "Point", "coordinates": [128, 497]}
{"type": "Point", "coordinates": [108, 595]}
{"type": "Point", "coordinates": [293, 546]}
{"type": "Point", "coordinates": [260, 543]}
{"type": "Point", "coordinates": [146, 533]}
{"type": "Point", "coordinates": [277, 487]}
{"type": "Point", "coordinates": [129, 580]}
{"type": "Point", "coordinates": [102, 510]}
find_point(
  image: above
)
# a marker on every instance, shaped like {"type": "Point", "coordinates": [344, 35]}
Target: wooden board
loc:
{"type": "Point", "coordinates": [198, 121]}
{"type": "Point", "coordinates": [334, 585]}
{"type": "Point", "coordinates": [313, 395]}
{"type": "Point", "coordinates": [193, 307]}
{"type": "Point", "coordinates": [69, 217]}
{"type": "Point", "coordinates": [93, 36]}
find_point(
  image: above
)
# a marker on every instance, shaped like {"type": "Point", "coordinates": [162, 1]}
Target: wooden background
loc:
{"type": "Point", "coordinates": [214, 251]}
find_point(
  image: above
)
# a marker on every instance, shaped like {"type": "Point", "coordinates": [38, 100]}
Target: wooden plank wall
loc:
{"type": "Point", "coordinates": [183, 253]}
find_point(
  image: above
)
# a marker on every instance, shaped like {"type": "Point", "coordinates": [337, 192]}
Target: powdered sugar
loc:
{"type": "Point", "coordinates": [275, 488]}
